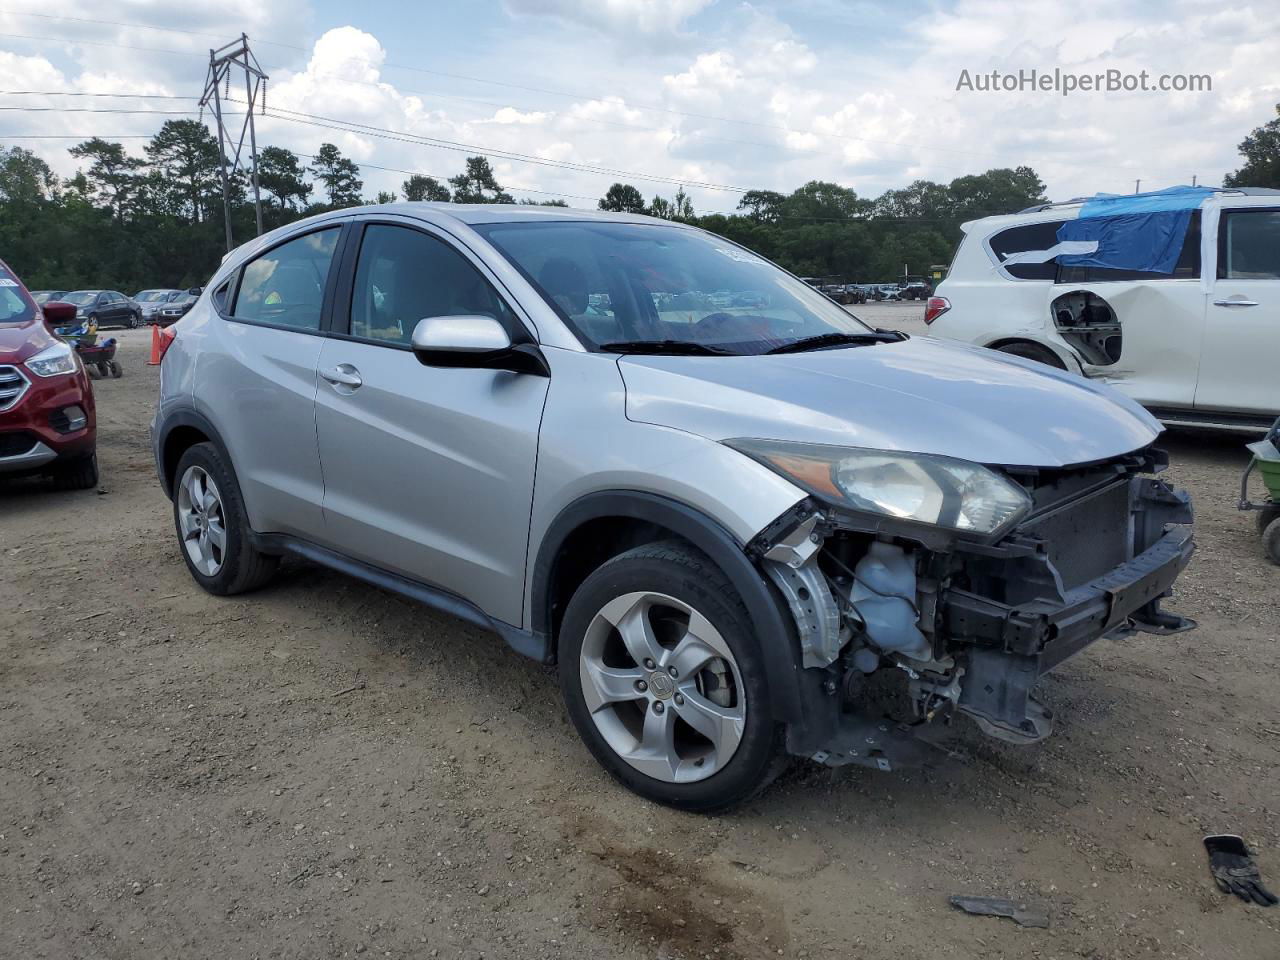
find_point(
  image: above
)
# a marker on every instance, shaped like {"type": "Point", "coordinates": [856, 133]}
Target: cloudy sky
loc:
{"type": "Point", "coordinates": [568, 96]}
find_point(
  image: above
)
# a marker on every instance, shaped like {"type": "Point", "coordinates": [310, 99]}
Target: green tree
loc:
{"type": "Point", "coordinates": [339, 176]}
{"type": "Point", "coordinates": [385, 196]}
{"type": "Point", "coordinates": [661, 207]}
{"type": "Point", "coordinates": [184, 155]}
{"type": "Point", "coordinates": [530, 202]}
{"type": "Point", "coordinates": [763, 206]}
{"type": "Point", "coordinates": [112, 174]}
{"type": "Point", "coordinates": [478, 184]}
{"type": "Point", "coordinates": [282, 178]}
{"type": "Point", "coordinates": [622, 198]}
{"type": "Point", "coordinates": [1261, 152]}
{"type": "Point", "coordinates": [421, 187]}
{"type": "Point", "coordinates": [681, 205]}
{"type": "Point", "coordinates": [997, 191]}
{"type": "Point", "coordinates": [25, 179]}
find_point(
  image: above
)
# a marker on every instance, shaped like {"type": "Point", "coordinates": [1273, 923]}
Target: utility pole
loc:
{"type": "Point", "coordinates": [1137, 186]}
{"type": "Point", "coordinates": [1193, 179]}
{"type": "Point", "coordinates": [217, 90]}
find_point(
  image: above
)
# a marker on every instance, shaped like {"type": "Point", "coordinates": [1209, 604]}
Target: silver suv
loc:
{"type": "Point", "coordinates": [732, 527]}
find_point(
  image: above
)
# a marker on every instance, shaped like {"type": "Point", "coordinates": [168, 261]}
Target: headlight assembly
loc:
{"type": "Point", "coordinates": [940, 491]}
{"type": "Point", "coordinates": [53, 361]}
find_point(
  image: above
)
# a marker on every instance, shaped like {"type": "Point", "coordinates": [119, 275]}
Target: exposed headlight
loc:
{"type": "Point", "coordinates": [53, 361]}
{"type": "Point", "coordinates": [939, 491]}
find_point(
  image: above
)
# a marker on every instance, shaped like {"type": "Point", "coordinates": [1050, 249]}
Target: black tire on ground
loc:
{"type": "Point", "coordinates": [1265, 516]}
{"type": "Point", "coordinates": [244, 568]}
{"type": "Point", "coordinates": [1271, 541]}
{"type": "Point", "coordinates": [1033, 351]}
{"type": "Point", "coordinates": [132, 322]}
{"type": "Point", "coordinates": [677, 570]}
{"type": "Point", "coordinates": [80, 474]}
{"type": "Point", "coordinates": [117, 371]}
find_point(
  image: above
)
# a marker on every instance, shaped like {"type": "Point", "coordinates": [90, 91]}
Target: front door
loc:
{"type": "Point", "coordinates": [428, 471]}
{"type": "Point", "coordinates": [1240, 356]}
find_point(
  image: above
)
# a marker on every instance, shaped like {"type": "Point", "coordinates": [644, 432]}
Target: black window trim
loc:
{"type": "Point", "coordinates": [1221, 266]}
{"type": "Point", "coordinates": [326, 304]}
{"type": "Point", "coordinates": [344, 292]}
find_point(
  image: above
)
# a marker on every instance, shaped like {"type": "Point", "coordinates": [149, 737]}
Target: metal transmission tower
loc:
{"type": "Point", "coordinates": [235, 56]}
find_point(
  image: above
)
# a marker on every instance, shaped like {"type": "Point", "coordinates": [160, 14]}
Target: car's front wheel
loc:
{"type": "Point", "coordinates": [662, 676]}
{"type": "Point", "coordinates": [213, 527]}
{"type": "Point", "coordinates": [133, 321]}
{"type": "Point", "coordinates": [1033, 351]}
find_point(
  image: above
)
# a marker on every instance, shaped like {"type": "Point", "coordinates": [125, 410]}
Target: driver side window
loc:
{"type": "Point", "coordinates": [405, 275]}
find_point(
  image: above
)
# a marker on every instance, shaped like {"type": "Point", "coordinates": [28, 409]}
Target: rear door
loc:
{"type": "Point", "coordinates": [1160, 318]}
{"type": "Point", "coordinates": [1240, 356]}
{"type": "Point", "coordinates": [257, 379]}
{"type": "Point", "coordinates": [428, 472]}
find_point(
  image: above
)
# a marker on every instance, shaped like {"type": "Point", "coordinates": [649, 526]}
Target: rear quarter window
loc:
{"type": "Point", "coordinates": [1027, 236]}
{"type": "Point", "coordinates": [15, 305]}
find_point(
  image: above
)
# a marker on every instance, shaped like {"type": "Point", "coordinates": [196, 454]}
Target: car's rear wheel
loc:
{"type": "Point", "coordinates": [1265, 516]}
{"type": "Point", "coordinates": [213, 527]}
{"type": "Point", "coordinates": [1033, 351]}
{"type": "Point", "coordinates": [78, 474]}
{"type": "Point", "coordinates": [132, 322]}
{"type": "Point", "coordinates": [1271, 541]}
{"type": "Point", "coordinates": [662, 675]}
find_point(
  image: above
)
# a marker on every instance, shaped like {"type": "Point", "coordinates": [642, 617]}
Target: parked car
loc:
{"type": "Point", "coordinates": [915, 290]}
{"type": "Point", "coordinates": [47, 418]}
{"type": "Point", "coordinates": [106, 308]}
{"type": "Point", "coordinates": [41, 297]}
{"type": "Point", "coordinates": [1196, 346]}
{"type": "Point", "coordinates": [718, 525]}
{"type": "Point", "coordinates": [150, 301]}
{"type": "Point", "coordinates": [854, 293]}
{"type": "Point", "coordinates": [886, 291]}
{"type": "Point", "coordinates": [175, 309]}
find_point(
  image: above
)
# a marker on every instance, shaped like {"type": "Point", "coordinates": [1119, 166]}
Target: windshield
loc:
{"type": "Point", "coordinates": [15, 307]}
{"type": "Point", "coordinates": [81, 298]}
{"type": "Point", "coordinates": [635, 283]}
{"type": "Point", "coordinates": [154, 296]}
{"type": "Point", "coordinates": [44, 296]}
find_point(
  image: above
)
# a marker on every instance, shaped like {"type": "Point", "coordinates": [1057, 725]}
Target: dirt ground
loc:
{"type": "Point", "coordinates": [324, 770]}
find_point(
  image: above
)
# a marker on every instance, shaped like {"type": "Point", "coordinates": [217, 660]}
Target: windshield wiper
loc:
{"type": "Point", "coordinates": [675, 348]}
{"type": "Point", "coordinates": [824, 340]}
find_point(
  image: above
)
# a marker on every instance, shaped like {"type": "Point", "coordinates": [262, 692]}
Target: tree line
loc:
{"type": "Point", "coordinates": [126, 222]}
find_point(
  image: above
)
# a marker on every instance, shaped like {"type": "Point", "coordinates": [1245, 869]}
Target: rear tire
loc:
{"type": "Point", "coordinates": [647, 730]}
{"type": "Point", "coordinates": [1033, 351]}
{"type": "Point", "coordinates": [1271, 541]}
{"type": "Point", "coordinates": [81, 474]}
{"type": "Point", "coordinates": [207, 508]}
{"type": "Point", "coordinates": [132, 323]}
{"type": "Point", "coordinates": [1265, 516]}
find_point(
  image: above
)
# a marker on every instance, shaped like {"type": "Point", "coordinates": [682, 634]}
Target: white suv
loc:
{"type": "Point", "coordinates": [1196, 347]}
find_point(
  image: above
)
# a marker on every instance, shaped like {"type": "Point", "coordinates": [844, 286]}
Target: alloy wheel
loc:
{"type": "Point", "coordinates": [200, 521]}
{"type": "Point", "coordinates": [663, 687]}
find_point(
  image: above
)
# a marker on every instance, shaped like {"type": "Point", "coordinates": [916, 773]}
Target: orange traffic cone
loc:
{"type": "Point", "coordinates": [155, 346]}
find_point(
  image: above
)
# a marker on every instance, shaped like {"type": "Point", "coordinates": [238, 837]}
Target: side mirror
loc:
{"type": "Point", "coordinates": [195, 291]}
{"type": "Point", "coordinates": [58, 313]}
{"type": "Point", "coordinates": [476, 342]}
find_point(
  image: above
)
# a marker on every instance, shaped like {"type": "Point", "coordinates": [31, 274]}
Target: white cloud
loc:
{"type": "Point", "coordinates": [614, 16]}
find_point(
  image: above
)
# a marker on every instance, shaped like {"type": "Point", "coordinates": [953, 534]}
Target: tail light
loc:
{"type": "Point", "coordinates": [166, 338]}
{"type": "Point", "coordinates": [935, 307]}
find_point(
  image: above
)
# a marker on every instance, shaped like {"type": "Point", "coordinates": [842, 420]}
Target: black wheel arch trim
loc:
{"type": "Point", "coordinates": [185, 417]}
{"type": "Point", "coordinates": [775, 629]}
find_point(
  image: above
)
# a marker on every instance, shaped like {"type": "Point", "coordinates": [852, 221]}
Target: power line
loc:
{"type": "Point", "coordinates": [171, 113]}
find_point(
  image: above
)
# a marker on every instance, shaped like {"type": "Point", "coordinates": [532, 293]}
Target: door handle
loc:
{"type": "Point", "coordinates": [344, 375]}
{"type": "Point", "coordinates": [1231, 302]}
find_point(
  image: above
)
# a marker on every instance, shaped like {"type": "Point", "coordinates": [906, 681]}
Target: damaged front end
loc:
{"type": "Point", "coordinates": [970, 621]}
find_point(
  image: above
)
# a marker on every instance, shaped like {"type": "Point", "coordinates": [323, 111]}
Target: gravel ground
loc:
{"type": "Point", "coordinates": [325, 770]}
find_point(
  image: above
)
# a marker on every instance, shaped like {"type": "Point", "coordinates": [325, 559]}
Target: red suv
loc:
{"type": "Point", "coordinates": [47, 423]}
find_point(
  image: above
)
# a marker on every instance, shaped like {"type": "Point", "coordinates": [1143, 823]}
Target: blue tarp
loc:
{"type": "Point", "coordinates": [1141, 231]}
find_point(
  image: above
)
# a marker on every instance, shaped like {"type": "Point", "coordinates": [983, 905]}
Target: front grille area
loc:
{"type": "Point", "coordinates": [1087, 536]}
{"type": "Point", "coordinates": [17, 442]}
{"type": "Point", "coordinates": [12, 386]}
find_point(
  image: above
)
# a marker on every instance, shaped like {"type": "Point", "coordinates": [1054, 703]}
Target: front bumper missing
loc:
{"type": "Point", "coordinates": [1003, 646]}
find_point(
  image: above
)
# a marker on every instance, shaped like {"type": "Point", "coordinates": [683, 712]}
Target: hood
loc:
{"type": "Point", "coordinates": [918, 396]}
{"type": "Point", "coordinates": [21, 340]}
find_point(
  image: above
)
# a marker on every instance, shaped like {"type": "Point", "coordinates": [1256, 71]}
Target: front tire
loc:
{"type": "Point", "coordinates": [81, 474]}
{"type": "Point", "coordinates": [663, 678]}
{"type": "Point", "coordinates": [132, 323]}
{"type": "Point", "coordinates": [213, 526]}
{"type": "Point", "coordinates": [1271, 541]}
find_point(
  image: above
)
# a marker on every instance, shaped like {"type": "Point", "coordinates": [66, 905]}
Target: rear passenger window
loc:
{"type": "Point", "coordinates": [1030, 236]}
{"type": "Point", "coordinates": [405, 275]}
{"type": "Point", "coordinates": [219, 295]}
{"type": "Point", "coordinates": [285, 286]}
{"type": "Point", "coordinates": [1187, 268]}
{"type": "Point", "coordinates": [1249, 245]}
